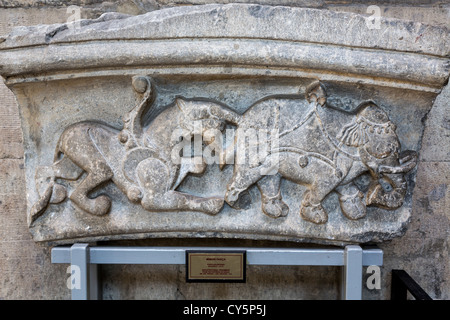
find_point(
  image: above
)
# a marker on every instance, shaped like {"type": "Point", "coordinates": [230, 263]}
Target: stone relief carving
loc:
{"type": "Point", "coordinates": [137, 161]}
{"type": "Point", "coordinates": [318, 146]}
{"type": "Point", "coordinates": [311, 152]}
{"type": "Point", "coordinates": [231, 137]}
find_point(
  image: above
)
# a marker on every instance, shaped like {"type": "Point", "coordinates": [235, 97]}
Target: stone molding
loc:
{"type": "Point", "coordinates": [251, 38]}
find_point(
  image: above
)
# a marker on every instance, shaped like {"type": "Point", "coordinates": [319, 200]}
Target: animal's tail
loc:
{"type": "Point", "coordinates": [46, 181]}
{"type": "Point", "coordinates": [39, 207]}
{"type": "Point", "coordinates": [131, 134]}
{"type": "Point", "coordinates": [53, 193]}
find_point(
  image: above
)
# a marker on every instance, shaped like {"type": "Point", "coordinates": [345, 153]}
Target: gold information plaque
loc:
{"type": "Point", "coordinates": [215, 266]}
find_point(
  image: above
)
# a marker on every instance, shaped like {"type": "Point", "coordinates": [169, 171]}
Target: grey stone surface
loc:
{"type": "Point", "coordinates": [105, 156]}
{"type": "Point", "coordinates": [227, 19]}
{"type": "Point", "coordinates": [226, 30]}
{"type": "Point", "coordinates": [26, 269]}
{"type": "Point", "coordinates": [438, 135]}
{"type": "Point", "coordinates": [100, 155]}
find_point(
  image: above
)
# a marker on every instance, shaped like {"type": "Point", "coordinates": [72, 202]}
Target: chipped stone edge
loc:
{"type": "Point", "coordinates": [64, 52]}
{"type": "Point", "coordinates": [412, 36]}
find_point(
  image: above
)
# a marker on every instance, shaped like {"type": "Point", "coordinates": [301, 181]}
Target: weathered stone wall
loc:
{"type": "Point", "coordinates": [27, 273]}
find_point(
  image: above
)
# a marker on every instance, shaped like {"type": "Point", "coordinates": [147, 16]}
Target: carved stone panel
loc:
{"type": "Point", "coordinates": [188, 129]}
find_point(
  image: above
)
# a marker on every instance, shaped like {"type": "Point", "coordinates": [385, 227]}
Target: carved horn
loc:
{"type": "Point", "coordinates": [395, 176]}
{"type": "Point", "coordinates": [225, 114]}
{"type": "Point", "coordinates": [393, 199]}
{"type": "Point", "coordinates": [408, 161]}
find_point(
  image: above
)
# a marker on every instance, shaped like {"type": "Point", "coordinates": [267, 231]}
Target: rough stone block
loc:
{"type": "Point", "coordinates": [437, 133]}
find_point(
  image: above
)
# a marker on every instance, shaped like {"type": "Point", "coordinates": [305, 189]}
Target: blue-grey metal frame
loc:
{"type": "Point", "coordinates": [85, 259]}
